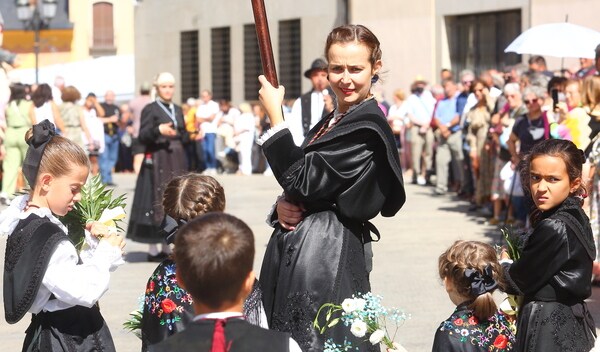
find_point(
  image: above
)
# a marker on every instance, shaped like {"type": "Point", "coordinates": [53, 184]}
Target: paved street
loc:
{"type": "Point", "coordinates": [405, 267]}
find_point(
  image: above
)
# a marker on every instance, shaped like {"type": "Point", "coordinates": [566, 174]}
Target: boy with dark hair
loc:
{"type": "Point", "coordinates": [214, 254]}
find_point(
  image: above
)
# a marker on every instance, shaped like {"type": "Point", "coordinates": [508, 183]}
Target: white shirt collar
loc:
{"type": "Point", "coordinates": [10, 217]}
{"type": "Point", "coordinates": [218, 315]}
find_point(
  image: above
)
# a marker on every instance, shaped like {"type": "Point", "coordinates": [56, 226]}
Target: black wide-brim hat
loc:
{"type": "Point", "coordinates": [317, 65]}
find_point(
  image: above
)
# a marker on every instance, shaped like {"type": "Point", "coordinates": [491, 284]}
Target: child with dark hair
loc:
{"type": "Point", "coordinates": [214, 255]}
{"type": "Point", "coordinates": [554, 270]}
{"type": "Point", "coordinates": [168, 308]}
{"type": "Point", "coordinates": [471, 273]}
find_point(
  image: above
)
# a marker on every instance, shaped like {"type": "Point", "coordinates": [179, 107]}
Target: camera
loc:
{"type": "Point", "coordinates": [557, 97]}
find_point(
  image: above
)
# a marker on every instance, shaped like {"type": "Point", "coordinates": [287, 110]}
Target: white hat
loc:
{"type": "Point", "coordinates": [164, 77]}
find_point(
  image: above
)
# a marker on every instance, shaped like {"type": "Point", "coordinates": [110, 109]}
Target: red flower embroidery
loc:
{"type": "Point", "coordinates": [500, 341]}
{"type": "Point", "coordinates": [473, 320]}
{"type": "Point", "coordinates": [151, 286]}
{"type": "Point", "coordinates": [458, 321]}
{"type": "Point", "coordinates": [168, 306]}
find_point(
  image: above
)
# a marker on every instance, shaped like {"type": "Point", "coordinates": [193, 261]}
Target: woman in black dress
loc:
{"type": "Point", "coordinates": [345, 173]}
{"type": "Point", "coordinates": [162, 133]}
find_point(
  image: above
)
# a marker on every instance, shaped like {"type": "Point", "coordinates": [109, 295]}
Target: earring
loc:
{"type": "Point", "coordinates": [374, 79]}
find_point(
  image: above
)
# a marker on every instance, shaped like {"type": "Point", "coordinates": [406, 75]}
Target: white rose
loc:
{"type": "Point", "coordinates": [358, 328]}
{"type": "Point", "coordinates": [376, 336]}
{"type": "Point", "coordinates": [349, 305]}
{"type": "Point", "coordinates": [360, 303]}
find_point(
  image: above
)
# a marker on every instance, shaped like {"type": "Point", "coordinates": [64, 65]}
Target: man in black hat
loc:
{"type": "Point", "coordinates": [313, 105]}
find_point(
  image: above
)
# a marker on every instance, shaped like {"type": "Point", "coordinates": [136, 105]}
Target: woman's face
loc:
{"type": "Point", "coordinates": [533, 103]}
{"type": "Point", "coordinates": [350, 73]}
{"type": "Point", "coordinates": [549, 182]}
{"type": "Point", "coordinates": [478, 91]}
{"type": "Point", "coordinates": [514, 100]}
{"type": "Point", "coordinates": [573, 95]}
{"type": "Point", "coordinates": [165, 91]}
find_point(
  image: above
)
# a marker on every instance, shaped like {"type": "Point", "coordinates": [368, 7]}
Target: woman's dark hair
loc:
{"type": "Point", "coordinates": [474, 255]}
{"type": "Point", "coordinates": [476, 82]}
{"type": "Point", "coordinates": [556, 82]}
{"type": "Point", "coordinates": [573, 157]}
{"type": "Point", "coordinates": [354, 33]}
{"type": "Point", "coordinates": [70, 94]}
{"type": "Point", "coordinates": [41, 95]}
{"type": "Point", "coordinates": [18, 92]}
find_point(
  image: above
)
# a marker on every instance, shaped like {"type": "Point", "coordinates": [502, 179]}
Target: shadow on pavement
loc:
{"type": "Point", "coordinates": [136, 257]}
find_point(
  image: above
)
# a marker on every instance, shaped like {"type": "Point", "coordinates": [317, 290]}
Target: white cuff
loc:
{"type": "Point", "coordinates": [271, 132]}
{"type": "Point", "coordinates": [108, 254]}
{"type": "Point", "coordinates": [502, 261]}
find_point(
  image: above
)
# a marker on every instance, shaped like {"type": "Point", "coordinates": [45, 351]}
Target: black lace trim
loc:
{"type": "Point", "coordinates": [566, 213]}
{"type": "Point", "coordinates": [565, 332]}
{"type": "Point", "coordinates": [253, 305]}
{"type": "Point", "coordinates": [296, 317]}
{"type": "Point", "coordinates": [15, 246]}
{"type": "Point", "coordinates": [16, 243]}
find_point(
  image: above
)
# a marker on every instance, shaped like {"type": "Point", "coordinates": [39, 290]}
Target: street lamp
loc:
{"type": "Point", "coordinates": [36, 15]}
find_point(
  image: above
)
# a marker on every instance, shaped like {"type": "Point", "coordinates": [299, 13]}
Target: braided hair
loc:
{"type": "Point", "coordinates": [464, 256]}
{"type": "Point", "coordinates": [191, 195]}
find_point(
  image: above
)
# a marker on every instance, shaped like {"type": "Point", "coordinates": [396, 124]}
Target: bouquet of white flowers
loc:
{"type": "Point", "coordinates": [366, 318]}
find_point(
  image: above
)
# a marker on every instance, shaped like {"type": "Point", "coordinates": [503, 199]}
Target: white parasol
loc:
{"type": "Point", "coordinates": [557, 39]}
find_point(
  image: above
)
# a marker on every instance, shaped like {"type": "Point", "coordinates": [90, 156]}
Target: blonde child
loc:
{"type": "Point", "coordinates": [471, 273]}
{"type": "Point", "coordinates": [43, 273]}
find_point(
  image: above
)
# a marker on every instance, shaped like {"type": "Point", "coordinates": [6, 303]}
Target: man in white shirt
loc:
{"type": "Point", "coordinates": [312, 106]}
{"type": "Point", "coordinates": [420, 105]}
{"type": "Point", "coordinates": [205, 116]}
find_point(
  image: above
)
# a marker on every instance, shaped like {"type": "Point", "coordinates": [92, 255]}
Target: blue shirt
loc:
{"type": "Point", "coordinates": [446, 112]}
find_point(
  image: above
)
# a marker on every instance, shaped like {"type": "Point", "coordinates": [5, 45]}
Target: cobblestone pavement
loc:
{"type": "Point", "coordinates": [405, 263]}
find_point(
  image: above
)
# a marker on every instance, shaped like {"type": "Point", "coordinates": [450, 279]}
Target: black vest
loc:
{"type": "Point", "coordinates": [242, 336]}
{"type": "Point", "coordinates": [305, 105]}
{"type": "Point", "coordinates": [28, 251]}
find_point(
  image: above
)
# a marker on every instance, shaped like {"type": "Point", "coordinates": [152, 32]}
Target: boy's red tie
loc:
{"type": "Point", "coordinates": [218, 340]}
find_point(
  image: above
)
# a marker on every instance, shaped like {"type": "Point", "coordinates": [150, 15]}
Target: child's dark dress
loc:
{"type": "Point", "coordinates": [463, 332]}
{"type": "Point", "coordinates": [64, 324]}
{"type": "Point", "coordinates": [554, 274]}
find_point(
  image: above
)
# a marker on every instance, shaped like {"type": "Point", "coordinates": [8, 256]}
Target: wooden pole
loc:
{"type": "Point", "coordinates": [264, 41]}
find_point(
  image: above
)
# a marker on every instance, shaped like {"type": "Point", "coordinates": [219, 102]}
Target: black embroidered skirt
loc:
{"type": "Point", "coordinates": [75, 329]}
{"type": "Point", "coordinates": [554, 327]}
{"type": "Point", "coordinates": [322, 261]}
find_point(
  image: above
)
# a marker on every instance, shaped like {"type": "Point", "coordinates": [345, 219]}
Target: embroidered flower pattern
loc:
{"type": "Point", "coordinates": [493, 335]}
{"type": "Point", "coordinates": [164, 298]}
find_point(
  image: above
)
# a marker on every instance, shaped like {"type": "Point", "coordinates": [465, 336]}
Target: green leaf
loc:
{"type": "Point", "coordinates": [95, 198]}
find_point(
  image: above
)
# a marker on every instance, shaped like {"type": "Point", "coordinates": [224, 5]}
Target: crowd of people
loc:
{"type": "Point", "coordinates": [221, 136]}
{"type": "Point", "coordinates": [469, 131]}
{"type": "Point", "coordinates": [335, 149]}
